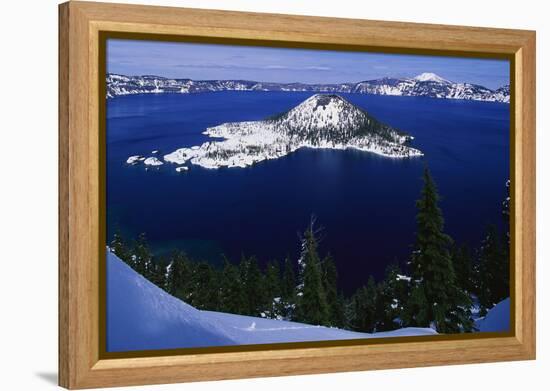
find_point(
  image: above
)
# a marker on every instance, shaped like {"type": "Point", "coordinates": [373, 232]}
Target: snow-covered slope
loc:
{"type": "Point", "coordinates": [141, 316]}
{"type": "Point", "coordinates": [497, 319]}
{"type": "Point", "coordinates": [426, 84]}
{"type": "Point", "coordinates": [250, 330]}
{"type": "Point", "coordinates": [321, 121]}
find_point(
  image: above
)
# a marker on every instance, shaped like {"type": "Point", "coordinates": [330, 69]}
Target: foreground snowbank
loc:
{"type": "Point", "coordinates": [497, 319]}
{"type": "Point", "coordinates": [141, 316]}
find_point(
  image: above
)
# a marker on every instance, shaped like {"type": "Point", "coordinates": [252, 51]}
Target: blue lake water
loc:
{"type": "Point", "coordinates": [365, 203]}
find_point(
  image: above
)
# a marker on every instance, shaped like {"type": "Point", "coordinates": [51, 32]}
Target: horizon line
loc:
{"type": "Point", "coordinates": [305, 83]}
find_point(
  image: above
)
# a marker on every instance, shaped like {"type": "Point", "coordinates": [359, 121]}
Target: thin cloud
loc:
{"type": "Point", "coordinates": [306, 68]}
{"type": "Point", "coordinates": [319, 68]}
{"type": "Point", "coordinates": [213, 66]}
{"type": "Point", "coordinates": [264, 67]}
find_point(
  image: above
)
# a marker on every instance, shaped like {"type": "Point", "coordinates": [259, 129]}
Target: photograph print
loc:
{"type": "Point", "coordinates": [268, 195]}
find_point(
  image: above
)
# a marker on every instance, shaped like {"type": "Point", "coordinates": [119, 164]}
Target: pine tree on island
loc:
{"type": "Point", "coordinates": [435, 298]}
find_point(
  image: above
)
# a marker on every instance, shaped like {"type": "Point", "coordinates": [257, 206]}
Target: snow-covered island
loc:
{"type": "Point", "coordinates": [321, 121]}
{"type": "Point", "coordinates": [135, 159]}
{"type": "Point", "coordinates": [152, 161]}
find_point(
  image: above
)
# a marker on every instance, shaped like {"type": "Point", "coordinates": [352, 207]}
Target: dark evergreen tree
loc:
{"type": "Point", "coordinates": [463, 266]}
{"type": "Point", "coordinates": [204, 287]}
{"type": "Point", "coordinates": [330, 282]}
{"type": "Point", "coordinates": [288, 285]}
{"type": "Point", "coordinates": [506, 205]}
{"type": "Point", "coordinates": [141, 257]}
{"type": "Point", "coordinates": [364, 301]}
{"type": "Point", "coordinates": [417, 309]}
{"type": "Point", "coordinates": [459, 316]}
{"type": "Point", "coordinates": [434, 279]}
{"type": "Point", "coordinates": [120, 249]}
{"type": "Point", "coordinates": [493, 271]}
{"type": "Point", "coordinates": [340, 314]}
{"type": "Point", "coordinates": [232, 290]}
{"type": "Point", "coordinates": [393, 293]}
{"type": "Point", "coordinates": [273, 290]}
{"type": "Point", "coordinates": [157, 272]}
{"type": "Point", "coordinates": [312, 306]}
{"type": "Point", "coordinates": [178, 277]}
{"type": "Point", "coordinates": [253, 283]}
{"type": "Point", "coordinates": [288, 289]}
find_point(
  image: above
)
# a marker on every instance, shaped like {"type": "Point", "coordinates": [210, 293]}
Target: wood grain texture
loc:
{"type": "Point", "coordinates": [63, 176]}
{"type": "Point", "coordinates": [527, 187]}
{"type": "Point", "coordinates": [80, 248]}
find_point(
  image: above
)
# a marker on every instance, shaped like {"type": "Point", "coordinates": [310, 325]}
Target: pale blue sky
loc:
{"type": "Point", "coordinates": [209, 61]}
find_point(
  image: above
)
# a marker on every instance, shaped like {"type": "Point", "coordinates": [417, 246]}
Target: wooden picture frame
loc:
{"type": "Point", "coordinates": [82, 364]}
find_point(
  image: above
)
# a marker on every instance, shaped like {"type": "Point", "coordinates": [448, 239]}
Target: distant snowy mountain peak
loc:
{"type": "Point", "coordinates": [426, 84]}
{"type": "Point", "coordinates": [502, 94]}
{"type": "Point", "coordinates": [428, 76]}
